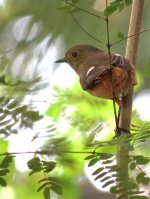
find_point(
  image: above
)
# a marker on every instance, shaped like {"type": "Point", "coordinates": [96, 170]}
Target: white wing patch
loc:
{"type": "Point", "coordinates": [118, 55]}
{"type": "Point", "coordinates": [90, 69]}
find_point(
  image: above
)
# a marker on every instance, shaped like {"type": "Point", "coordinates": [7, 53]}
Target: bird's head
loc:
{"type": "Point", "coordinates": [76, 56]}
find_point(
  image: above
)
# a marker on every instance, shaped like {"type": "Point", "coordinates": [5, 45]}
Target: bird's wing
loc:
{"type": "Point", "coordinates": [120, 61]}
{"type": "Point", "coordinates": [94, 76]}
{"type": "Point", "coordinates": [96, 73]}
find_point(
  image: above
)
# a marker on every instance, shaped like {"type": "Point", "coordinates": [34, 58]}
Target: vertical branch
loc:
{"type": "Point", "coordinates": [131, 53]}
{"type": "Point", "coordinates": [108, 47]}
{"type": "Point", "coordinates": [126, 108]}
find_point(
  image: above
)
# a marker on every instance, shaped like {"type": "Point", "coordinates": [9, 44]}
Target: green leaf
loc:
{"type": "Point", "coordinates": [110, 10]}
{"type": "Point", "coordinates": [68, 9]}
{"type": "Point", "coordinates": [35, 165]}
{"type": "Point", "coordinates": [92, 162]}
{"type": "Point", "coordinates": [147, 72]}
{"type": "Point", "coordinates": [46, 193]}
{"type": "Point", "coordinates": [145, 180]}
{"type": "Point", "coordinates": [138, 197]}
{"type": "Point", "coordinates": [141, 160]}
{"type": "Point", "coordinates": [51, 179]}
{"type": "Point", "coordinates": [116, 5]}
{"type": "Point", "coordinates": [106, 178]}
{"type": "Point", "coordinates": [105, 156]}
{"type": "Point", "coordinates": [129, 185]}
{"type": "Point", "coordinates": [135, 192]}
{"type": "Point", "coordinates": [120, 35]}
{"type": "Point", "coordinates": [120, 7]}
{"type": "Point", "coordinates": [57, 189]}
{"type": "Point", "coordinates": [36, 170]}
{"type": "Point", "coordinates": [141, 178]}
{"type": "Point", "coordinates": [3, 182]}
{"type": "Point", "coordinates": [4, 172]}
{"type": "Point", "coordinates": [132, 165]}
{"type": "Point", "coordinates": [97, 171]}
{"type": "Point", "coordinates": [33, 115]}
{"type": "Point", "coordinates": [33, 161]}
{"type": "Point", "coordinates": [49, 166]}
{"type": "Point", "coordinates": [112, 168]}
{"type": "Point", "coordinates": [42, 186]}
{"type": "Point", "coordinates": [12, 104]}
{"type": "Point", "coordinates": [107, 161]}
{"type": "Point", "coordinates": [100, 175]}
{"type": "Point", "coordinates": [6, 161]}
{"type": "Point", "coordinates": [108, 183]}
{"type": "Point", "coordinates": [115, 190]}
{"type": "Point", "coordinates": [89, 157]}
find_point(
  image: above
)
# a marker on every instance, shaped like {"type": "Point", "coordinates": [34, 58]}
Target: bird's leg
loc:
{"type": "Point", "coordinates": [119, 130]}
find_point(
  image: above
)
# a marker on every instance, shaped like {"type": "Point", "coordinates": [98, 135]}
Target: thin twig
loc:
{"type": "Point", "coordinates": [132, 35]}
{"type": "Point", "coordinates": [108, 47]}
{"type": "Point", "coordinates": [47, 152]}
{"type": "Point", "coordinates": [85, 31]}
{"type": "Point", "coordinates": [90, 13]}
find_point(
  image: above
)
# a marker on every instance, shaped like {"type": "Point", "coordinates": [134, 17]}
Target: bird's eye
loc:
{"type": "Point", "coordinates": [74, 54]}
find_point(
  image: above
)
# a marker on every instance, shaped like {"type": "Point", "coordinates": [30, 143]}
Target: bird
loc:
{"type": "Point", "coordinates": [102, 74]}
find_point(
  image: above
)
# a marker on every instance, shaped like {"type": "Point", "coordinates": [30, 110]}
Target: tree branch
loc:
{"type": "Point", "coordinates": [126, 108]}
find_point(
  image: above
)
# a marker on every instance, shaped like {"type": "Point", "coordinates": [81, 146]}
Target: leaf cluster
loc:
{"type": "Point", "coordinates": [117, 5]}
{"type": "Point", "coordinates": [110, 175]}
{"type": "Point", "coordinates": [4, 168]}
{"type": "Point", "coordinates": [14, 116]}
{"type": "Point", "coordinates": [69, 8]}
{"type": "Point", "coordinates": [48, 183]}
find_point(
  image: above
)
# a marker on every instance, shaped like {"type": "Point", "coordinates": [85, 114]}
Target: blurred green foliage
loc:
{"type": "Point", "coordinates": [79, 122]}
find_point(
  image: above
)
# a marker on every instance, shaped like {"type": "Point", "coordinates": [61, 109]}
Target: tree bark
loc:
{"type": "Point", "coordinates": [126, 108]}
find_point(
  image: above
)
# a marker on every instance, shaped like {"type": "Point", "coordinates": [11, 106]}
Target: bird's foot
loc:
{"type": "Point", "coordinates": [119, 131]}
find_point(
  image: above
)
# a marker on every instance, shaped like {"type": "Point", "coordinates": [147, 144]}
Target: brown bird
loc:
{"type": "Point", "coordinates": [104, 76]}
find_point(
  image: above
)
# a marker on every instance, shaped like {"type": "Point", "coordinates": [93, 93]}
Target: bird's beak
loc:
{"type": "Point", "coordinates": [61, 60]}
